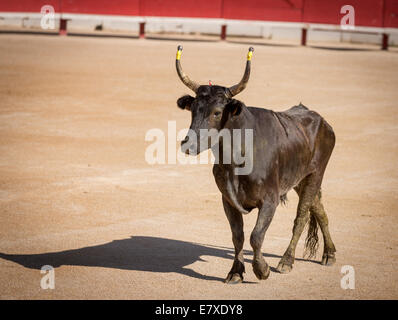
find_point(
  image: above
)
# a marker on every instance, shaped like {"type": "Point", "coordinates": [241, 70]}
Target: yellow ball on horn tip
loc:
{"type": "Point", "coordinates": [179, 51]}
{"type": "Point", "coordinates": [250, 53]}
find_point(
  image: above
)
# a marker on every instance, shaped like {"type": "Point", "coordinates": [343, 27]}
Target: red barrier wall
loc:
{"type": "Point", "coordinates": [391, 14]}
{"type": "Point", "coordinates": [115, 7]}
{"type": "Point", "coordinates": [27, 5]}
{"type": "Point", "coordinates": [270, 10]}
{"type": "Point", "coordinates": [182, 8]}
{"type": "Point", "coordinates": [372, 13]}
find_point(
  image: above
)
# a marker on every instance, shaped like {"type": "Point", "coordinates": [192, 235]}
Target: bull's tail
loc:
{"type": "Point", "coordinates": [311, 242]}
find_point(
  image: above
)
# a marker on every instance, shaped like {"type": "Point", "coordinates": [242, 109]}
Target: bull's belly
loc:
{"type": "Point", "coordinates": [248, 192]}
{"type": "Point", "coordinates": [252, 193]}
{"type": "Point", "coordinates": [293, 167]}
{"type": "Point", "coordinates": [243, 193]}
{"type": "Point", "coordinates": [288, 183]}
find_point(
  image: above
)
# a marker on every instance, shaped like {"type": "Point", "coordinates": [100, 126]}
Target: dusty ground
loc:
{"type": "Point", "coordinates": [76, 192]}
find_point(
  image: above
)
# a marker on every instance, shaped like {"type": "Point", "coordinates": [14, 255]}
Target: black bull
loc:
{"type": "Point", "coordinates": [291, 150]}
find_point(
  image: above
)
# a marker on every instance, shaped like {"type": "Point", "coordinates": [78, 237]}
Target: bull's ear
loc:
{"type": "Point", "coordinates": [234, 107]}
{"type": "Point", "coordinates": [185, 102]}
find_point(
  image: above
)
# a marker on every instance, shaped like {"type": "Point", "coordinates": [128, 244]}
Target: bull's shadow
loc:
{"type": "Point", "coordinates": [136, 253]}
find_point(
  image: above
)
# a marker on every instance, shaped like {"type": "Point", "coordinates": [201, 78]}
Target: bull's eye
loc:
{"type": "Point", "coordinates": [217, 113]}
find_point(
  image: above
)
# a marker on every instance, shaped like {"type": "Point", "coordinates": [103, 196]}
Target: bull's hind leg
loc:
{"type": "Point", "coordinates": [329, 250]}
{"type": "Point", "coordinates": [236, 223]}
{"type": "Point", "coordinates": [307, 190]}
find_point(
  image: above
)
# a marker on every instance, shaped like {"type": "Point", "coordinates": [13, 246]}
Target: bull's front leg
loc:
{"type": "Point", "coordinates": [236, 223]}
{"type": "Point", "coordinates": [265, 215]}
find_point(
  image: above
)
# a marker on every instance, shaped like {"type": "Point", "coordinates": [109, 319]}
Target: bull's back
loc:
{"type": "Point", "coordinates": [313, 124]}
{"type": "Point", "coordinates": [318, 132]}
{"type": "Point", "coordinates": [298, 137]}
{"type": "Point", "coordinates": [286, 155]}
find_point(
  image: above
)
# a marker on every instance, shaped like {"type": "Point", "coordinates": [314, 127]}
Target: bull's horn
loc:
{"type": "Point", "coordinates": [234, 90]}
{"type": "Point", "coordinates": [184, 78]}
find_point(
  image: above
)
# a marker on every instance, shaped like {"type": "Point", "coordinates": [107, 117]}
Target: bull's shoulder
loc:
{"type": "Point", "coordinates": [260, 112]}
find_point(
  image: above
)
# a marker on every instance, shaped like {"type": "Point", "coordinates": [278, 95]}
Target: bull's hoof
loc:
{"type": "Point", "coordinates": [286, 264]}
{"type": "Point", "coordinates": [284, 267]}
{"type": "Point", "coordinates": [328, 259]}
{"type": "Point", "coordinates": [234, 278]}
{"type": "Point", "coordinates": [261, 269]}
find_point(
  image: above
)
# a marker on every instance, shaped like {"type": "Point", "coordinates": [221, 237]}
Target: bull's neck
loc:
{"type": "Point", "coordinates": [241, 122]}
{"type": "Point", "coordinates": [245, 120]}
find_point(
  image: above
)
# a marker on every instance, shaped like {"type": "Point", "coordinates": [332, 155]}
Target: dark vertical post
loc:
{"type": "Point", "coordinates": [223, 35]}
{"type": "Point", "coordinates": [63, 27]}
{"type": "Point", "coordinates": [304, 36]}
{"type": "Point", "coordinates": [304, 29]}
{"type": "Point", "coordinates": [384, 45]}
{"type": "Point", "coordinates": [142, 30]}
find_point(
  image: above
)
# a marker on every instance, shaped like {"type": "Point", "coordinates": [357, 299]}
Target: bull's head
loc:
{"type": "Point", "coordinates": [211, 108]}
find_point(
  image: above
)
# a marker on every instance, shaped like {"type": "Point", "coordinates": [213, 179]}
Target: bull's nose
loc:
{"type": "Point", "coordinates": [188, 149]}
{"type": "Point", "coordinates": [192, 150]}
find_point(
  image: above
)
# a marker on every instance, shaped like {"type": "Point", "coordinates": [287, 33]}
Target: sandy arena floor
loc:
{"type": "Point", "coordinates": [76, 192]}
